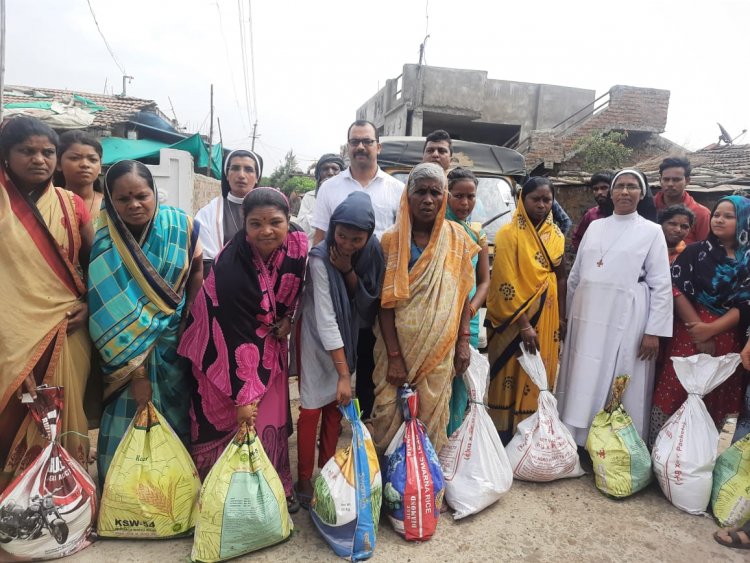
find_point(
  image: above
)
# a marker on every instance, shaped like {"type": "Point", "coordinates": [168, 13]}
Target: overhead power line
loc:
{"type": "Point", "coordinates": [106, 43]}
{"type": "Point", "coordinates": [243, 50]}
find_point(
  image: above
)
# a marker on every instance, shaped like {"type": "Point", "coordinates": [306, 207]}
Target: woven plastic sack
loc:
{"type": "Point", "coordinates": [621, 460]}
{"type": "Point", "coordinates": [543, 448]}
{"type": "Point", "coordinates": [346, 504]}
{"type": "Point", "coordinates": [685, 450]}
{"type": "Point", "coordinates": [475, 466]}
{"type": "Point", "coordinates": [49, 510]}
{"type": "Point", "coordinates": [730, 495]}
{"type": "Point", "coordinates": [152, 486]}
{"type": "Point", "coordinates": [413, 481]}
{"type": "Point", "coordinates": [242, 504]}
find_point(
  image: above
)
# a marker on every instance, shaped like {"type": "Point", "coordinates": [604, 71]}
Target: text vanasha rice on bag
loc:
{"type": "Point", "coordinates": [48, 511]}
{"type": "Point", "coordinates": [413, 481]}
{"type": "Point", "coordinates": [685, 450]}
{"type": "Point", "coordinates": [151, 489]}
{"type": "Point", "coordinates": [346, 505]}
{"type": "Point", "coordinates": [475, 466]}
{"type": "Point", "coordinates": [543, 448]}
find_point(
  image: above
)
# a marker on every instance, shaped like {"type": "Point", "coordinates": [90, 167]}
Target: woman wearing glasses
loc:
{"type": "Point", "coordinates": [619, 303]}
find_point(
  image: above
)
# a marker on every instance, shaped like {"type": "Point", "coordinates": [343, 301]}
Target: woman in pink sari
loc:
{"type": "Point", "coordinates": [236, 336]}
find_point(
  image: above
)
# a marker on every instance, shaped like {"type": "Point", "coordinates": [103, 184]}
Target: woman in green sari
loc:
{"type": "Point", "coordinates": [462, 190]}
{"type": "Point", "coordinates": [145, 270]}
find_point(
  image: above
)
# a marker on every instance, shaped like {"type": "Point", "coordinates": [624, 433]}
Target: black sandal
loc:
{"type": "Point", "coordinates": [292, 504]}
{"type": "Point", "coordinates": [736, 542]}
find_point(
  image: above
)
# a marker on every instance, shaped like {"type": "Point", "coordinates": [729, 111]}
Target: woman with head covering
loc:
{"type": "Point", "coordinates": [146, 269]}
{"type": "Point", "coordinates": [525, 304]}
{"type": "Point", "coordinates": [222, 218]}
{"type": "Point", "coordinates": [710, 286]}
{"type": "Point", "coordinates": [328, 166]}
{"type": "Point", "coordinates": [341, 292]}
{"type": "Point", "coordinates": [46, 237]}
{"type": "Point", "coordinates": [423, 334]}
{"type": "Point", "coordinates": [619, 303]}
{"type": "Point", "coordinates": [236, 336]}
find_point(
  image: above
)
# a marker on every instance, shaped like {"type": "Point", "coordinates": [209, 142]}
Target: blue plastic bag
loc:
{"type": "Point", "coordinates": [346, 504]}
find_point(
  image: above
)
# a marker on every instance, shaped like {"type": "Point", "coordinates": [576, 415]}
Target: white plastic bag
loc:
{"type": "Point", "coordinates": [685, 450]}
{"type": "Point", "coordinates": [543, 449]}
{"type": "Point", "coordinates": [475, 466]}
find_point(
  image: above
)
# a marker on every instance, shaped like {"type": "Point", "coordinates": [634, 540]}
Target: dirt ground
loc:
{"type": "Point", "coordinates": [566, 520]}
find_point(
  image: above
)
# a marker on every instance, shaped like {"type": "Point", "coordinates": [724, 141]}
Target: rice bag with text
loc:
{"type": "Point", "coordinates": [413, 481]}
{"type": "Point", "coordinates": [151, 489]}
{"type": "Point", "coordinates": [346, 504]}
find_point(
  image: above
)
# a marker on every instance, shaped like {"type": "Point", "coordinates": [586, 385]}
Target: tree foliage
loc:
{"type": "Point", "coordinates": [288, 177]}
{"type": "Point", "coordinates": [603, 151]}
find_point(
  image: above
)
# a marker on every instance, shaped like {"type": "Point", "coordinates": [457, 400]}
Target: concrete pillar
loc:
{"type": "Point", "coordinates": [417, 120]}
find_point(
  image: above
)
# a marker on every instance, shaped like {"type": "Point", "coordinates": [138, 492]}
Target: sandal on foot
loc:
{"type": "Point", "coordinates": [292, 504]}
{"type": "Point", "coordinates": [303, 498]}
{"type": "Point", "coordinates": [737, 541]}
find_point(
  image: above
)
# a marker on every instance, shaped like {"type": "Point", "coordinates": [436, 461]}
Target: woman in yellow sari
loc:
{"type": "Point", "coordinates": [525, 304]}
{"type": "Point", "coordinates": [423, 336]}
{"type": "Point", "coordinates": [46, 236]}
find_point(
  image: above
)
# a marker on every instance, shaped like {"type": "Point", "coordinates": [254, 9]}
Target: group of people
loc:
{"type": "Point", "coordinates": [206, 317]}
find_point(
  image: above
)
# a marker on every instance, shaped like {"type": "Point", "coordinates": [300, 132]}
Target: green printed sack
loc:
{"type": "Point", "coordinates": [622, 464]}
{"type": "Point", "coordinates": [242, 505]}
{"type": "Point", "coordinates": [152, 485]}
{"type": "Point", "coordinates": [730, 495]}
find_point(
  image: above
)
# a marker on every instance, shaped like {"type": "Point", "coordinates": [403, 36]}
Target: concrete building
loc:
{"type": "Point", "coordinates": [469, 105]}
{"type": "Point", "coordinates": [541, 121]}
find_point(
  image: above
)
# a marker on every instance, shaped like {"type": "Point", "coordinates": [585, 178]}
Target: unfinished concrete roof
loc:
{"type": "Point", "coordinates": [117, 109]}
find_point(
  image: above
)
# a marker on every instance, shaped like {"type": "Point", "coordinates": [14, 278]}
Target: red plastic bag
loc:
{"type": "Point", "coordinates": [49, 510]}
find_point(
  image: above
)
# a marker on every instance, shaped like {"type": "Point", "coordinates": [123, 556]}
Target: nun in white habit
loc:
{"type": "Point", "coordinates": [222, 218]}
{"type": "Point", "coordinates": [619, 303]}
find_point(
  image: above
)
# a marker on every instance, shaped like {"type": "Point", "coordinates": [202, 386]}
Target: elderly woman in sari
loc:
{"type": "Point", "coordinates": [146, 268]}
{"type": "Point", "coordinates": [237, 336]}
{"type": "Point", "coordinates": [423, 337]}
{"type": "Point", "coordinates": [46, 237]}
{"type": "Point", "coordinates": [525, 304]}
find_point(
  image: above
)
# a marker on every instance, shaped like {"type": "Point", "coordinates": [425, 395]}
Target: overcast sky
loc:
{"type": "Point", "coordinates": [317, 62]}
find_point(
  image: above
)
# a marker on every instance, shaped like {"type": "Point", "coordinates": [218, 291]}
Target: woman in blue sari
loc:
{"type": "Point", "coordinates": [145, 270]}
{"type": "Point", "coordinates": [462, 187]}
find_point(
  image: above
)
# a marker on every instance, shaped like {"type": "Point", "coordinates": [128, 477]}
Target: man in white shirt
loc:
{"type": "Point", "coordinates": [385, 193]}
{"type": "Point", "coordinates": [363, 174]}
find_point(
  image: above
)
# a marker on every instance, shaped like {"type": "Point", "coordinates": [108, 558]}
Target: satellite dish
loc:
{"type": "Point", "coordinates": [725, 136]}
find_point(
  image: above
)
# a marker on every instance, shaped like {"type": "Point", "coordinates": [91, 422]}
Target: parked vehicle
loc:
{"type": "Point", "coordinates": [497, 168]}
{"type": "Point", "coordinates": [28, 523]}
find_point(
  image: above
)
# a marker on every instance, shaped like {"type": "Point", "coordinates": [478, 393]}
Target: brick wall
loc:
{"type": "Point", "coordinates": [204, 190]}
{"type": "Point", "coordinates": [630, 109]}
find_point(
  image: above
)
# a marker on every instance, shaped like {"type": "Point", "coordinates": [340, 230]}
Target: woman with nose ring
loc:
{"type": "Point", "coordinates": [236, 337]}
{"type": "Point", "coordinates": [46, 236]}
{"type": "Point", "coordinates": [710, 289]}
{"type": "Point", "coordinates": [619, 303]}
{"type": "Point", "coordinates": [423, 334]}
{"type": "Point", "coordinates": [525, 304]}
{"type": "Point", "coordinates": [146, 269]}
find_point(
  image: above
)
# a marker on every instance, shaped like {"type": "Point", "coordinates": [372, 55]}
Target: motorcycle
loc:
{"type": "Point", "coordinates": [17, 522]}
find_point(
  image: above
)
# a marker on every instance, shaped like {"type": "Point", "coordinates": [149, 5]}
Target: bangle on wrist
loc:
{"type": "Point", "coordinates": [472, 310]}
{"type": "Point", "coordinates": [349, 271]}
{"type": "Point", "coordinates": [465, 333]}
{"type": "Point", "coordinates": [527, 328]}
{"type": "Point", "coordinates": [394, 354]}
